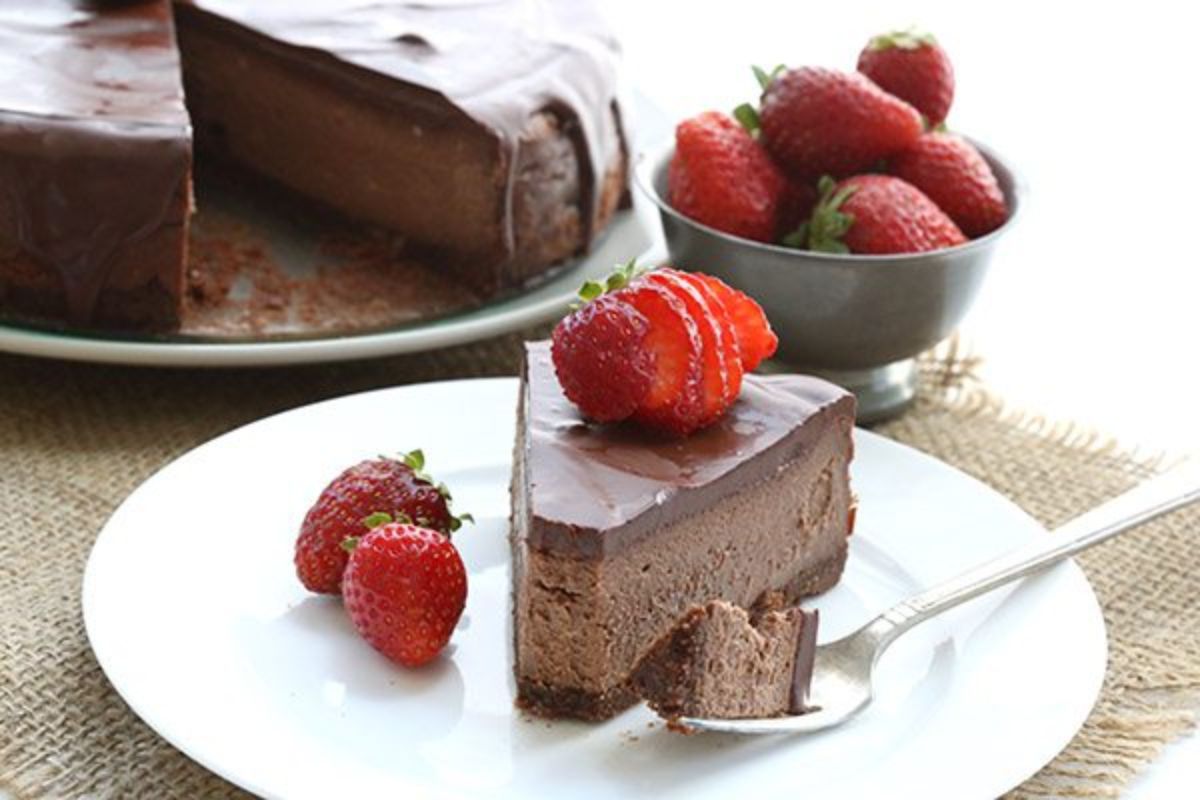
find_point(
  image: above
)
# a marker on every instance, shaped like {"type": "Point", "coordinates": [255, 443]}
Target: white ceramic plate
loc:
{"type": "Point", "coordinates": [631, 234]}
{"type": "Point", "coordinates": [195, 614]}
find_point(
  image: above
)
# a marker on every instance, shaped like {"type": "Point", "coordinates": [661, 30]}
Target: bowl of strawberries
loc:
{"type": "Point", "coordinates": [846, 208]}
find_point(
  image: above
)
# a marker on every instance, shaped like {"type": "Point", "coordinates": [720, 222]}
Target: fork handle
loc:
{"type": "Point", "coordinates": [1167, 492]}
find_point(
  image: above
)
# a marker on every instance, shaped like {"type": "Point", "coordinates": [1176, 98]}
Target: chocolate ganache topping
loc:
{"type": "Point", "coordinates": [633, 483]}
{"type": "Point", "coordinates": [94, 137]}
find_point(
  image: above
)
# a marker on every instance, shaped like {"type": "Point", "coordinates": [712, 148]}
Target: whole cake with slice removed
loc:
{"type": "Point", "coordinates": [486, 135]}
{"type": "Point", "coordinates": [619, 528]}
{"type": "Point", "coordinates": [722, 662]}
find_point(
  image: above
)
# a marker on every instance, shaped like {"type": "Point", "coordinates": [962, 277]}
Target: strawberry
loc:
{"type": "Point", "coordinates": [714, 366]}
{"type": "Point", "coordinates": [728, 339]}
{"type": "Point", "coordinates": [383, 484]}
{"type": "Point", "coordinates": [953, 174]}
{"type": "Point", "coordinates": [818, 121]}
{"type": "Point", "coordinates": [721, 177]}
{"type": "Point", "coordinates": [699, 336]}
{"type": "Point", "coordinates": [756, 340]}
{"type": "Point", "coordinates": [404, 588]}
{"type": "Point", "coordinates": [674, 403]}
{"type": "Point", "coordinates": [913, 67]}
{"type": "Point", "coordinates": [601, 358]}
{"type": "Point", "coordinates": [878, 214]}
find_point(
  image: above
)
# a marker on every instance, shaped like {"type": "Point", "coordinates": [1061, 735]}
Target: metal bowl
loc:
{"type": "Point", "coordinates": [857, 320]}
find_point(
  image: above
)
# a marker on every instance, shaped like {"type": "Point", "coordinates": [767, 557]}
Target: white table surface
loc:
{"type": "Point", "coordinates": [1092, 309]}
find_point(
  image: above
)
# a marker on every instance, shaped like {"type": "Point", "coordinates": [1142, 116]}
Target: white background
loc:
{"type": "Point", "coordinates": [1092, 310]}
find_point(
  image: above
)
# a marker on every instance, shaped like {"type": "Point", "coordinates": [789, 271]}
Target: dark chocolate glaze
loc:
{"type": "Point", "coordinates": [802, 670]}
{"type": "Point", "coordinates": [95, 144]}
{"type": "Point", "coordinates": [497, 62]}
{"type": "Point", "coordinates": [596, 488]}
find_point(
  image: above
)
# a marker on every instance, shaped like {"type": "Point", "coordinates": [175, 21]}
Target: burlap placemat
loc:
{"type": "Point", "coordinates": [76, 439]}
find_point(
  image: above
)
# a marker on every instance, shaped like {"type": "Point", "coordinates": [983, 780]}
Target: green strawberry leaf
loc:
{"type": "Point", "coordinates": [797, 238]}
{"type": "Point", "coordinates": [747, 115]}
{"type": "Point", "coordinates": [590, 291]}
{"type": "Point", "coordinates": [375, 520]}
{"type": "Point", "coordinates": [764, 78]}
{"type": "Point", "coordinates": [907, 39]}
{"type": "Point", "coordinates": [415, 460]}
{"type": "Point", "coordinates": [621, 276]}
{"type": "Point", "coordinates": [457, 522]}
{"type": "Point", "coordinates": [829, 224]}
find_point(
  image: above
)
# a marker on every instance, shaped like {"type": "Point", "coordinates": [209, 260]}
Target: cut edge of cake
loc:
{"type": "Point", "coordinates": [721, 661]}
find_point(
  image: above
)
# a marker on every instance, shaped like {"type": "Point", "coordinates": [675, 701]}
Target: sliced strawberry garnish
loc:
{"type": "Point", "coordinates": [713, 367]}
{"type": "Point", "coordinates": [756, 340]}
{"type": "Point", "coordinates": [728, 339]}
{"type": "Point", "coordinates": [674, 401]}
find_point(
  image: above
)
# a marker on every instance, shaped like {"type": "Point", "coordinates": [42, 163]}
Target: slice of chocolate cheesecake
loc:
{"type": "Point", "coordinates": [616, 534]}
{"type": "Point", "coordinates": [722, 662]}
{"type": "Point", "coordinates": [95, 164]}
{"type": "Point", "coordinates": [484, 133]}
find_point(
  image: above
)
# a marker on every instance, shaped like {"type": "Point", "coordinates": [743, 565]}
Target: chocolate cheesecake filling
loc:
{"type": "Point", "coordinates": [615, 534]}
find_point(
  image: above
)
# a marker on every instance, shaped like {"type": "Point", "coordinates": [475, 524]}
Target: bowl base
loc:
{"type": "Point", "coordinates": [882, 392]}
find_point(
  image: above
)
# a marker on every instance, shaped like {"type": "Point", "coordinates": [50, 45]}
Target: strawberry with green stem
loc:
{"type": "Point", "coordinates": [404, 588]}
{"type": "Point", "coordinates": [876, 215]}
{"type": "Point", "coordinates": [394, 485]}
{"type": "Point", "coordinates": [911, 65]}
{"type": "Point", "coordinates": [720, 176]}
{"type": "Point", "coordinates": [667, 349]}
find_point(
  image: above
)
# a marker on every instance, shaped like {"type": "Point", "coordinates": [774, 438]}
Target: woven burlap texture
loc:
{"type": "Point", "coordinates": [76, 439]}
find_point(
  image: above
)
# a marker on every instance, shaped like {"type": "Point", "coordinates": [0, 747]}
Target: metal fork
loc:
{"type": "Point", "coordinates": [842, 671]}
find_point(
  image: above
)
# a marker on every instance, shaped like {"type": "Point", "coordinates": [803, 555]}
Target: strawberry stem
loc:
{"type": "Point", "coordinates": [764, 78]}
{"type": "Point", "coordinates": [621, 276]}
{"type": "Point", "coordinates": [747, 115]}
{"type": "Point", "coordinates": [829, 224]}
{"type": "Point", "coordinates": [378, 518]}
{"type": "Point", "coordinates": [349, 543]}
{"type": "Point", "coordinates": [907, 39]}
{"type": "Point", "coordinates": [415, 460]}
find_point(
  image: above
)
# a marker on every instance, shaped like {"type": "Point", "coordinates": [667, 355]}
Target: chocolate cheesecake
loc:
{"type": "Point", "coordinates": [616, 534]}
{"type": "Point", "coordinates": [486, 134]}
{"type": "Point", "coordinates": [722, 662]}
{"type": "Point", "coordinates": [95, 164]}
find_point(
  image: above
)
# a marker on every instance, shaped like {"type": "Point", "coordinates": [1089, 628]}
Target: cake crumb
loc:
{"type": "Point", "coordinates": [675, 726]}
{"type": "Point", "coordinates": [246, 279]}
